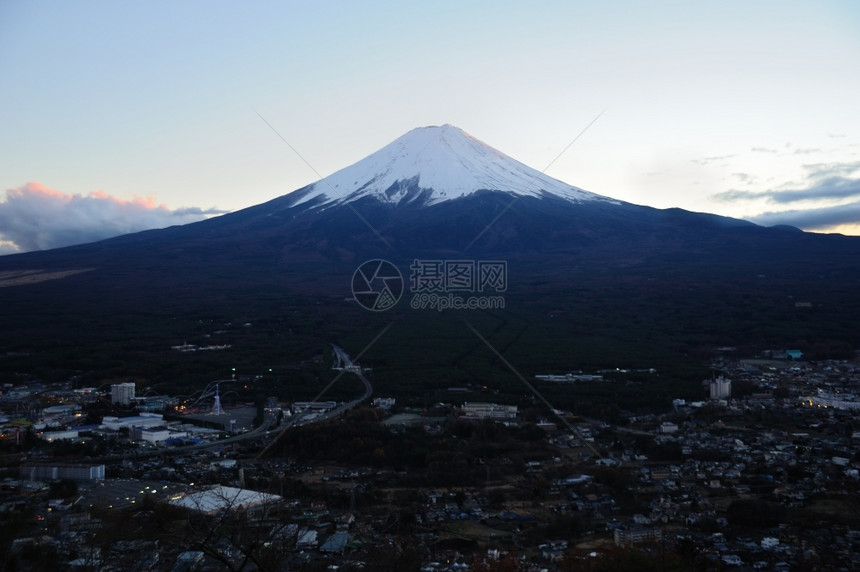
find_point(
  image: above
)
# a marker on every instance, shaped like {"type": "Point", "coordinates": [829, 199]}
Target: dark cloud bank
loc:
{"type": "Point", "coordinates": [827, 183]}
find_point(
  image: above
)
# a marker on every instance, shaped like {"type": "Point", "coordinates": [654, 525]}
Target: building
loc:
{"type": "Point", "coordinates": [480, 410]}
{"type": "Point", "coordinates": [300, 407]}
{"type": "Point", "coordinates": [60, 411]}
{"type": "Point", "coordinates": [221, 498]}
{"type": "Point", "coordinates": [668, 427]}
{"type": "Point", "coordinates": [72, 471]}
{"type": "Point", "coordinates": [156, 403]}
{"type": "Point", "coordinates": [189, 560]}
{"type": "Point", "coordinates": [384, 402]}
{"type": "Point", "coordinates": [306, 538]}
{"type": "Point", "coordinates": [636, 536]}
{"type": "Point", "coordinates": [569, 377]}
{"type": "Point", "coordinates": [142, 420]}
{"type": "Point", "coordinates": [721, 388]}
{"type": "Point", "coordinates": [51, 436]}
{"type": "Point", "coordinates": [336, 543]}
{"type": "Point", "coordinates": [155, 434]}
{"type": "Point", "coordinates": [122, 393]}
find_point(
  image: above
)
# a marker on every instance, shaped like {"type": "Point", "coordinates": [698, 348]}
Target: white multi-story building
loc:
{"type": "Point", "coordinates": [480, 410]}
{"type": "Point", "coordinates": [73, 471]}
{"type": "Point", "coordinates": [721, 388]}
{"type": "Point", "coordinates": [122, 393]}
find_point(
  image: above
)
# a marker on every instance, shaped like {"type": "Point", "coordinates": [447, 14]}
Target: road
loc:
{"type": "Point", "coordinates": [352, 368]}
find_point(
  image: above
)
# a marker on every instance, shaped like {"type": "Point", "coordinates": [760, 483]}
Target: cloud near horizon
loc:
{"type": "Point", "coordinates": [34, 217]}
{"type": "Point", "coordinates": [821, 219]}
{"type": "Point", "coordinates": [836, 188]}
{"type": "Point", "coordinates": [829, 186]}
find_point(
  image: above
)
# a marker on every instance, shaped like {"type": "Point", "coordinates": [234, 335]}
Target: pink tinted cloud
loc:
{"type": "Point", "coordinates": [34, 217]}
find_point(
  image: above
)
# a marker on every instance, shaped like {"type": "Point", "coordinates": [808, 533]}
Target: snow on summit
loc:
{"type": "Point", "coordinates": [429, 165]}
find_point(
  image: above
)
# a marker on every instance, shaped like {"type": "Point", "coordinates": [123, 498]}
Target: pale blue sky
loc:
{"type": "Point", "coordinates": [736, 107]}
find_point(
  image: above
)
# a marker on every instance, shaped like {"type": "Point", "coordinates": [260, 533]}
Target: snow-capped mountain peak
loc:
{"type": "Point", "coordinates": [429, 165]}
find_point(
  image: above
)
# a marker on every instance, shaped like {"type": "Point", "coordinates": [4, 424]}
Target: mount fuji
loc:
{"type": "Point", "coordinates": [438, 190]}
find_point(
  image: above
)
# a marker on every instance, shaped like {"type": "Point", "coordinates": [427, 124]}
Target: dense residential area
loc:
{"type": "Point", "coordinates": [761, 473]}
